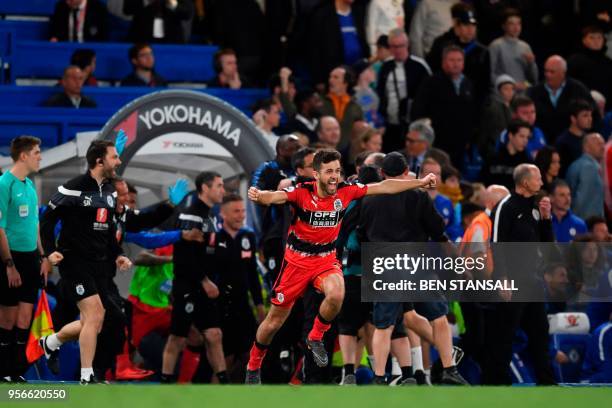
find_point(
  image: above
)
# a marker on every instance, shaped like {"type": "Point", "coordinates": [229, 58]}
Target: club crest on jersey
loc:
{"type": "Point", "coordinates": [338, 204]}
{"type": "Point", "coordinates": [271, 263]}
{"type": "Point", "coordinates": [280, 298]}
{"type": "Point", "coordinates": [246, 244]}
{"type": "Point", "coordinates": [110, 201]}
{"type": "Point", "coordinates": [189, 307]}
{"type": "Point", "coordinates": [80, 290]}
{"type": "Point", "coordinates": [536, 214]}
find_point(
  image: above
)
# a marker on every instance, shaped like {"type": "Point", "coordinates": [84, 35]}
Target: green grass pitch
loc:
{"type": "Point", "coordinates": [174, 396]}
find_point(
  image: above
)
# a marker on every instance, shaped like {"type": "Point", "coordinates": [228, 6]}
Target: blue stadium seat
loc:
{"type": "Point", "coordinates": [176, 63]}
{"type": "Point", "coordinates": [27, 7]}
{"type": "Point", "coordinates": [20, 111]}
{"type": "Point", "coordinates": [30, 30]}
{"type": "Point", "coordinates": [574, 346]}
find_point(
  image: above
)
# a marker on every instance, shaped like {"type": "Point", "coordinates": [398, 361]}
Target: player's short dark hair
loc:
{"type": "Point", "coordinates": [452, 48]}
{"type": "Point", "coordinates": [297, 161]}
{"type": "Point", "coordinates": [594, 220]}
{"type": "Point", "coordinates": [450, 171]}
{"type": "Point", "coordinates": [519, 101]}
{"type": "Point", "coordinates": [510, 12]}
{"type": "Point", "coordinates": [265, 104]}
{"type": "Point", "coordinates": [97, 151]}
{"type": "Point", "coordinates": [515, 125]}
{"type": "Point", "coordinates": [131, 188]}
{"type": "Point", "coordinates": [325, 156]}
{"type": "Point", "coordinates": [302, 97]}
{"type": "Point", "coordinates": [592, 29]}
{"type": "Point", "coordinates": [205, 177]}
{"type": "Point", "coordinates": [135, 50]}
{"type": "Point", "coordinates": [557, 184]}
{"type": "Point", "coordinates": [580, 105]}
{"type": "Point", "coordinates": [83, 57]}
{"type": "Point", "coordinates": [361, 157]}
{"type": "Point", "coordinates": [23, 144]}
{"type": "Point", "coordinates": [369, 174]}
{"type": "Point", "coordinates": [231, 197]}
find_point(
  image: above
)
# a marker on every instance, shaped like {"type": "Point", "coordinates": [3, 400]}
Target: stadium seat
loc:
{"type": "Point", "coordinates": [43, 60]}
{"type": "Point", "coordinates": [27, 7]}
{"type": "Point", "coordinates": [574, 346]}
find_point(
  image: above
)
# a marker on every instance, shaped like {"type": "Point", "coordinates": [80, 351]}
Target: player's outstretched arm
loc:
{"type": "Point", "coordinates": [267, 197]}
{"type": "Point", "coordinates": [394, 186]}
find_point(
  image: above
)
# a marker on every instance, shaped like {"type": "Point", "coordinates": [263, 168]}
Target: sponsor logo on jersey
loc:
{"type": "Point", "coordinates": [324, 218]}
{"type": "Point", "coordinates": [101, 215]}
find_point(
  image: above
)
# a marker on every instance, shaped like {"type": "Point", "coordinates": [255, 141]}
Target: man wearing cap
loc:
{"type": "Point", "coordinates": [398, 82]}
{"type": "Point", "coordinates": [463, 34]}
{"type": "Point", "coordinates": [419, 146]}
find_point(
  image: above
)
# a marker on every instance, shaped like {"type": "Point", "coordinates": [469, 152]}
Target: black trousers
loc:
{"type": "Point", "coordinates": [394, 138]}
{"type": "Point", "coordinates": [503, 323]}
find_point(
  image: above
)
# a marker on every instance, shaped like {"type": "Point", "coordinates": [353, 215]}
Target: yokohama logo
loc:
{"type": "Point", "coordinates": [101, 215]}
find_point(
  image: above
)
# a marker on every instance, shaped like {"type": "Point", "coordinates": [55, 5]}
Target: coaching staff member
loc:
{"type": "Point", "coordinates": [520, 217]}
{"type": "Point", "coordinates": [86, 207]}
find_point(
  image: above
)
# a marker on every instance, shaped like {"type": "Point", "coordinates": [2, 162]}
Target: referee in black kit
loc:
{"type": "Point", "coordinates": [408, 217]}
{"type": "Point", "coordinates": [520, 217]}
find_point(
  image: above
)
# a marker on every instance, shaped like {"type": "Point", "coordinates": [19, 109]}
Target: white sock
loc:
{"type": "Point", "coordinates": [53, 342]}
{"type": "Point", "coordinates": [395, 367]}
{"type": "Point", "coordinates": [86, 373]}
{"type": "Point", "coordinates": [417, 358]}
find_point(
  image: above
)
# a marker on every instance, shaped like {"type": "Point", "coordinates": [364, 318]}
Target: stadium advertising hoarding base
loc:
{"type": "Point", "coordinates": [495, 272]}
{"type": "Point", "coordinates": [181, 118]}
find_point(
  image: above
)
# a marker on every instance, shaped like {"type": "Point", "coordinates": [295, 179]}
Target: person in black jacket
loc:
{"type": "Point", "coordinates": [329, 44]}
{"type": "Point", "coordinates": [78, 21]}
{"type": "Point", "coordinates": [158, 21]}
{"type": "Point", "coordinates": [306, 120]}
{"type": "Point", "coordinates": [477, 59]}
{"type": "Point", "coordinates": [591, 65]}
{"type": "Point", "coordinates": [519, 218]}
{"type": "Point", "coordinates": [236, 266]}
{"type": "Point", "coordinates": [194, 288]}
{"type": "Point", "coordinates": [397, 85]}
{"type": "Point", "coordinates": [143, 62]}
{"type": "Point", "coordinates": [448, 99]}
{"type": "Point", "coordinates": [71, 97]}
{"type": "Point", "coordinates": [406, 217]}
{"type": "Point", "coordinates": [554, 111]}
{"type": "Point", "coordinates": [500, 167]}
{"type": "Point", "coordinates": [86, 207]}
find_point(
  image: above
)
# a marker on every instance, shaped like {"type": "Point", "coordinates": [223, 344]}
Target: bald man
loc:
{"type": "Point", "coordinates": [554, 96]}
{"type": "Point", "coordinates": [585, 180]}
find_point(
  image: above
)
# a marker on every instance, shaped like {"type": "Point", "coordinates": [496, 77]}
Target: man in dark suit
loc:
{"type": "Point", "coordinates": [555, 96]}
{"type": "Point", "coordinates": [158, 21]}
{"type": "Point", "coordinates": [447, 98]}
{"type": "Point", "coordinates": [337, 36]}
{"type": "Point", "coordinates": [71, 97]}
{"type": "Point", "coordinates": [78, 21]}
{"type": "Point", "coordinates": [143, 61]}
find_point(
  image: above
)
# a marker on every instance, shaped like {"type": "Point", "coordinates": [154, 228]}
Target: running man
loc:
{"type": "Point", "coordinates": [310, 256]}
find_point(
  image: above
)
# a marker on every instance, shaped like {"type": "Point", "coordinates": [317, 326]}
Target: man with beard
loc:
{"type": "Point", "coordinates": [143, 64]}
{"type": "Point", "coordinates": [308, 104]}
{"type": "Point", "coordinates": [86, 206]}
{"type": "Point", "coordinates": [310, 256]}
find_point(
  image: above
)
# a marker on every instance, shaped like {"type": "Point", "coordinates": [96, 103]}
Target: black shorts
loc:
{"type": "Point", "coordinates": [431, 310]}
{"type": "Point", "coordinates": [354, 313]}
{"type": "Point", "coordinates": [28, 266]}
{"type": "Point", "coordinates": [386, 314]}
{"type": "Point", "coordinates": [190, 305]}
{"type": "Point", "coordinates": [83, 278]}
{"type": "Point", "coordinates": [239, 327]}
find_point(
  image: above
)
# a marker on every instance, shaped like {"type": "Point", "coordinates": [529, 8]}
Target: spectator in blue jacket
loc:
{"type": "Point", "coordinates": [585, 179]}
{"type": "Point", "coordinates": [566, 225]}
